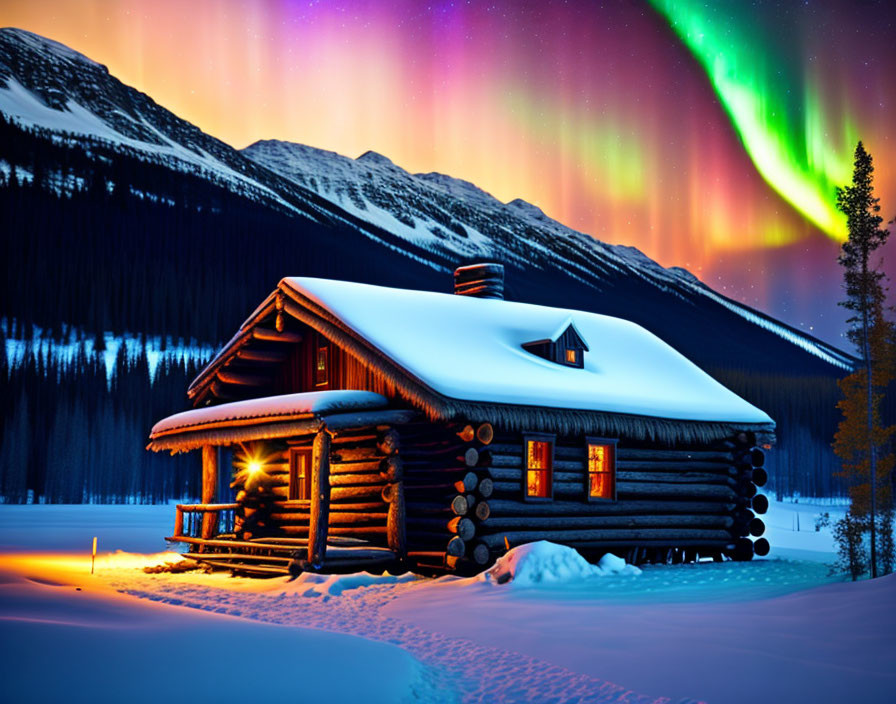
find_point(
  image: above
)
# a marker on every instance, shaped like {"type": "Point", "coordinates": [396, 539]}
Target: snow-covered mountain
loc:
{"type": "Point", "coordinates": [439, 221]}
{"type": "Point", "coordinates": [445, 214]}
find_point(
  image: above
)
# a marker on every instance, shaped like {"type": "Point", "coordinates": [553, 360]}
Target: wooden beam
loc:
{"type": "Point", "coordinates": [240, 379]}
{"type": "Point", "coordinates": [672, 536]}
{"type": "Point", "coordinates": [237, 543]}
{"type": "Point", "coordinates": [368, 419]}
{"type": "Point", "coordinates": [178, 520]}
{"type": "Point", "coordinates": [320, 499]}
{"type": "Point", "coordinates": [395, 521]}
{"type": "Point", "coordinates": [222, 392]}
{"type": "Point", "coordinates": [269, 335]}
{"type": "Point", "coordinates": [241, 338]}
{"type": "Point", "coordinates": [265, 356]}
{"type": "Point", "coordinates": [209, 487]}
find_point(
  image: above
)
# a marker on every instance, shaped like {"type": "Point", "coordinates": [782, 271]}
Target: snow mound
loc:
{"type": "Point", "coordinates": [544, 562]}
{"type": "Point", "coordinates": [316, 585]}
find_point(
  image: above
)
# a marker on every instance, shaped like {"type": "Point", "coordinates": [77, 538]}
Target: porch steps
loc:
{"type": "Point", "coordinates": [272, 556]}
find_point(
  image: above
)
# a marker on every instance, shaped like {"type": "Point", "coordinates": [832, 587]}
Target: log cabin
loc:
{"type": "Point", "coordinates": [347, 426]}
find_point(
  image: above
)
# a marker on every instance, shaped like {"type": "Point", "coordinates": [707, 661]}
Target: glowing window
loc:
{"type": "Point", "coordinates": [572, 356]}
{"type": "Point", "coordinates": [321, 367]}
{"type": "Point", "coordinates": [601, 470]}
{"type": "Point", "coordinates": [539, 465]}
{"type": "Point", "coordinates": [299, 474]}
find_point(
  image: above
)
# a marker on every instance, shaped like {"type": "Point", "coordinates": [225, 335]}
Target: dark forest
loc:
{"type": "Point", "coordinates": [98, 244]}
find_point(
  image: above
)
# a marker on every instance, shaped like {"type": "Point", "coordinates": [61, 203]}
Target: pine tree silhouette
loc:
{"type": "Point", "coordinates": [861, 435]}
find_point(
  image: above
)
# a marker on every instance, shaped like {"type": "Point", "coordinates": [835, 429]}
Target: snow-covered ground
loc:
{"type": "Point", "coordinates": [790, 528]}
{"type": "Point", "coordinates": [64, 643]}
{"type": "Point", "coordinates": [779, 629]}
{"type": "Point", "coordinates": [71, 529]}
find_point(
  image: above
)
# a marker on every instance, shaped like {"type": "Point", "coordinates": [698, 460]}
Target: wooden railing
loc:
{"type": "Point", "coordinates": [203, 520]}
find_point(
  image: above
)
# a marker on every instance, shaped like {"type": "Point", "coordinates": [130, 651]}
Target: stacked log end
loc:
{"type": "Point", "coordinates": [749, 462]}
{"type": "Point", "coordinates": [447, 489]}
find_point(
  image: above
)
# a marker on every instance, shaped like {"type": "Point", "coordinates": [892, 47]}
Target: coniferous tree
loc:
{"type": "Point", "coordinates": [852, 557]}
{"type": "Point", "coordinates": [14, 454]}
{"type": "Point", "coordinates": [862, 441]}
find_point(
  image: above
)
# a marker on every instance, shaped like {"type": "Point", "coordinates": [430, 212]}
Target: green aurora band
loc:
{"type": "Point", "coordinates": [796, 147]}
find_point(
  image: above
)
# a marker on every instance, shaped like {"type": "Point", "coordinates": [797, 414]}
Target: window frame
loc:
{"type": "Point", "coordinates": [614, 443]}
{"type": "Point", "coordinates": [294, 453]}
{"type": "Point", "coordinates": [322, 346]}
{"type": "Point", "coordinates": [538, 437]}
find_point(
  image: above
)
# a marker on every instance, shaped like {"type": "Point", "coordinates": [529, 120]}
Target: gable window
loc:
{"type": "Point", "coordinates": [539, 466]}
{"type": "Point", "coordinates": [601, 468]}
{"type": "Point", "coordinates": [299, 474]}
{"type": "Point", "coordinates": [566, 347]}
{"type": "Point", "coordinates": [322, 366]}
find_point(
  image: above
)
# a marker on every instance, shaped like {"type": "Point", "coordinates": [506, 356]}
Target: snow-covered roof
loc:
{"type": "Point", "coordinates": [273, 408]}
{"type": "Point", "coordinates": [470, 349]}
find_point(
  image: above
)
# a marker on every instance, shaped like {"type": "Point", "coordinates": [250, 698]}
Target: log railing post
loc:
{"type": "Point", "coordinates": [395, 521]}
{"type": "Point", "coordinates": [178, 522]}
{"type": "Point", "coordinates": [209, 488]}
{"type": "Point", "coordinates": [320, 499]}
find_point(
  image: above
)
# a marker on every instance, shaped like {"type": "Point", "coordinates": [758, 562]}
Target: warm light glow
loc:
{"type": "Point", "coordinates": [601, 471]}
{"type": "Point", "coordinates": [597, 458]}
{"type": "Point", "coordinates": [63, 565]}
{"type": "Point", "coordinates": [253, 467]}
{"type": "Point", "coordinates": [538, 466]}
{"type": "Point", "coordinates": [321, 373]}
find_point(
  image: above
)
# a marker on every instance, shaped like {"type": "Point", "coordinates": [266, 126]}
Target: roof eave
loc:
{"type": "Point", "coordinates": [207, 375]}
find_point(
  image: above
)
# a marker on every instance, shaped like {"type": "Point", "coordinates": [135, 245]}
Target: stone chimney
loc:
{"type": "Point", "coordinates": [480, 281]}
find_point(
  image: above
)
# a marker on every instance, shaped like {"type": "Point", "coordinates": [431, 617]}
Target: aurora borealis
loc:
{"type": "Point", "coordinates": [708, 135]}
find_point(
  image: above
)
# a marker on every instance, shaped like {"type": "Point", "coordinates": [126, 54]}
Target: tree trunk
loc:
{"type": "Point", "coordinates": [869, 402]}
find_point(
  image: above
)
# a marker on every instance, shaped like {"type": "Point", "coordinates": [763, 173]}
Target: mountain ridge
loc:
{"type": "Point", "coordinates": [434, 218]}
{"type": "Point", "coordinates": [120, 217]}
{"type": "Point", "coordinates": [303, 164]}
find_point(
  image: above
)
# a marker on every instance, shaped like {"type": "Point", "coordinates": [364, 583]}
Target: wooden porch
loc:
{"type": "Point", "coordinates": [207, 529]}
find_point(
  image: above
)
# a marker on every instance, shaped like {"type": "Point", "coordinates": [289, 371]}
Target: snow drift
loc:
{"type": "Point", "coordinates": [545, 563]}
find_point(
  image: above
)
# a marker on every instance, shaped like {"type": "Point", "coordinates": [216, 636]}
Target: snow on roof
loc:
{"type": "Point", "coordinates": [274, 408]}
{"type": "Point", "coordinates": [470, 349]}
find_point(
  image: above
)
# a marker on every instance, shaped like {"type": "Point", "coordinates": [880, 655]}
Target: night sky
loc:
{"type": "Point", "coordinates": [710, 135]}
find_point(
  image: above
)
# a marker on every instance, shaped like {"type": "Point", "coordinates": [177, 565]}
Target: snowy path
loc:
{"type": "Point", "coordinates": [477, 673]}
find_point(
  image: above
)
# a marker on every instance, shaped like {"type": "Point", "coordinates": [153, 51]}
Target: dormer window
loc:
{"type": "Point", "coordinates": [566, 347]}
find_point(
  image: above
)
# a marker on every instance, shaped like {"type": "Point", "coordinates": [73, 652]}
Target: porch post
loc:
{"type": "Point", "coordinates": [320, 498]}
{"type": "Point", "coordinates": [209, 489]}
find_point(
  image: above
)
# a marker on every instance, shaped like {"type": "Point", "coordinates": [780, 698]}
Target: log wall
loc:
{"type": "Point", "coordinates": [466, 505]}
{"type": "Point", "coordinates": [357, 481]}
{"type": "Point", "coordinates": [296, 374]}
{"type": "Point", "coordinates": [450, 497]}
